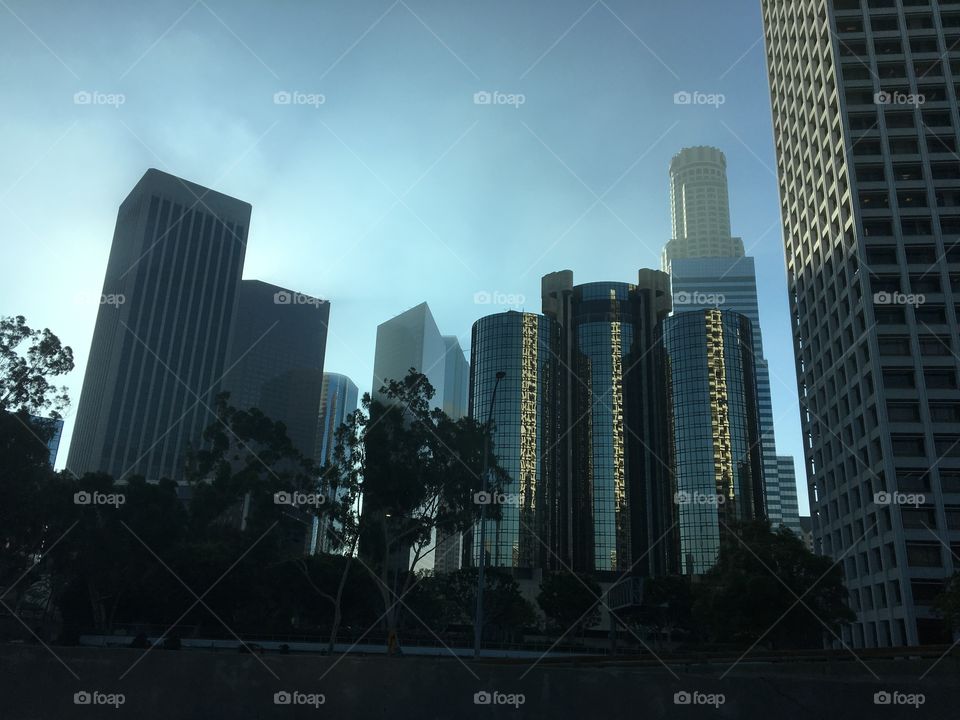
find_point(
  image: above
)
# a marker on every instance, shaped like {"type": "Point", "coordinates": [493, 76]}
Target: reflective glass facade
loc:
{"type": "Point", "coordinates": [716, 449]}
{"type": "Point", "coordinates": [617, 486]}
{"type": "Point", "coordinates": [526, 434]}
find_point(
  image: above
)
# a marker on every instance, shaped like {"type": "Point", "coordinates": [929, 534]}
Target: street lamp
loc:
{"type": "Point", "coordinates": [478, 620]}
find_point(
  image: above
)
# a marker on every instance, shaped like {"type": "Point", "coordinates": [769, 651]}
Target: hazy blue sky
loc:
{"type": "Point", "coordinates": [397, 188]}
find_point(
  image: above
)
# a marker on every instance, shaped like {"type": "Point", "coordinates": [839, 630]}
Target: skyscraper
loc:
{"type": "Point", "coordinates": [410, 340]}
{"type": "Point", "coordinates": [526, 438]}
{"type": "Point", "coordinates": [157, 359]}
{"type": "Point", "coordinates": [787, 473]}
{"type": "Point", "coordinates": [699, 207]}
{"type": "Point", "coordinates": [865, 127]}
{"type": "Point", "coordinates": [708, 269]}
{"type": "Point", "coordinates": [716, 452]}
{"type": "Point", "coordinates": [276, 362]}
{"type": "Point", "coordinates": [448, 553]}
{"type": "Point", "coordinates": [615, 496]}
{"type": "Point", "coordinates": [338, 400]}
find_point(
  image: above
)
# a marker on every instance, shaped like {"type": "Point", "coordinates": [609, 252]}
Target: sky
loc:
{"type": "Point", "coordinates": [394, 152]}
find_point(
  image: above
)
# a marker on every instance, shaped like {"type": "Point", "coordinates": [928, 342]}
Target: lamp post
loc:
{"type": "Point", "coordinates": [478, 620]}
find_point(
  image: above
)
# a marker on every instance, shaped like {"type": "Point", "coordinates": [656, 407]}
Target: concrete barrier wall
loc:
{"type": "Point", "coordinates": [185, 684]}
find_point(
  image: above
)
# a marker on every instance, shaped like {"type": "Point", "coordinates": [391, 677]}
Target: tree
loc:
{"type": "Point", "coordinates": [416, 469]}
{"type": "Point", "coordinates": [24, 371]}
{"type": "Point", "coordinates": [447, 600]}
{"type": "Point", "coordinates": [666, 609]}
{"type": "Point", "coordinates": [947, 603]}
{"type": "Point", "coordinates": [27, 359]}
{"type": "Point", "coordinates": [569, 601]}
{"type": "Point", "coordinates": [757, 579]}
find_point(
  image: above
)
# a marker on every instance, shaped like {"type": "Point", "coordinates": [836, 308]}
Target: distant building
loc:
{"type": "Point", "coordinates": [276, 361]}
{"type": "Point", "coordinates": [789, 505]}
{"type": "Point", "coordinates": [716, 451]}
{"type": "Point", "coordinates": [162, 337]}
{"type": "Point", "coordinates": [806, 530]}
{"type": "Point", "coordinates": [53, 426]}
{"type": "Point", "coordinates": [337, 402]}
{"type": "Point", "coordinates": [410, 340]}
{"type": "Point", "coordinates": [449, 549]}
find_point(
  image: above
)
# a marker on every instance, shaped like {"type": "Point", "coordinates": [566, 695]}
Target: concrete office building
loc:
{"type": "Point", "coordinates": [865, 127]}
{"type": "Point", "coordinates": [716, 451]}
{"type": "Point", "coordinates": [157, 359]}
{"type": "Point", "coordinates": [615, 499]}
{"type": "Point", "coordinates": [708, 269]}
{"type": "Point", "coordinates": [276, 362]}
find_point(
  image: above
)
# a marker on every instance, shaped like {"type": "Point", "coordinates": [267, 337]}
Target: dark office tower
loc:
{"type": "Point", "coordinates": [865, 121]}
{"type": "Point", "coordinates": [157, 359]}
{"type": "Point", "coordinates": [276, 361]}
{"type": "Point", "coordinates": [716, 449]}
{"type": "Point", "coordinates": [526, 439]}
{"type": "Point", "coordinates": [616, 487]}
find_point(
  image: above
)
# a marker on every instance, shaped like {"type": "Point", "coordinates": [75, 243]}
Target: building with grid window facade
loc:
{"type": "Point", "coordinates": [865, 118]}
{"type": "Point", "coordinates": [716, 450]}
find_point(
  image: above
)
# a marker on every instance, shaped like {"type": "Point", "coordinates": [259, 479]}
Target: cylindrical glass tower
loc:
{"type": "Point", "coordinates": [716, 446]}
{"type": "Point", "coordinates": [526, 438]}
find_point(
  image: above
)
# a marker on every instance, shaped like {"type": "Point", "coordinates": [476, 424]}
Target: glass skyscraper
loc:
{"type": "Point", "coordinates": [716, 451]}
{"type": "Point", "coordinates": [338, 400]}
{"type": "Point", "coordinates": [611, 417]}
{"type": "Point", "coordinates": [276, 361]}
{"type": "Point", "coordinates": [708, 269]}
{"type": "Point", "coordinates": [157, 359]}
{"type": "Point", "coordinates": [526, 438]}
